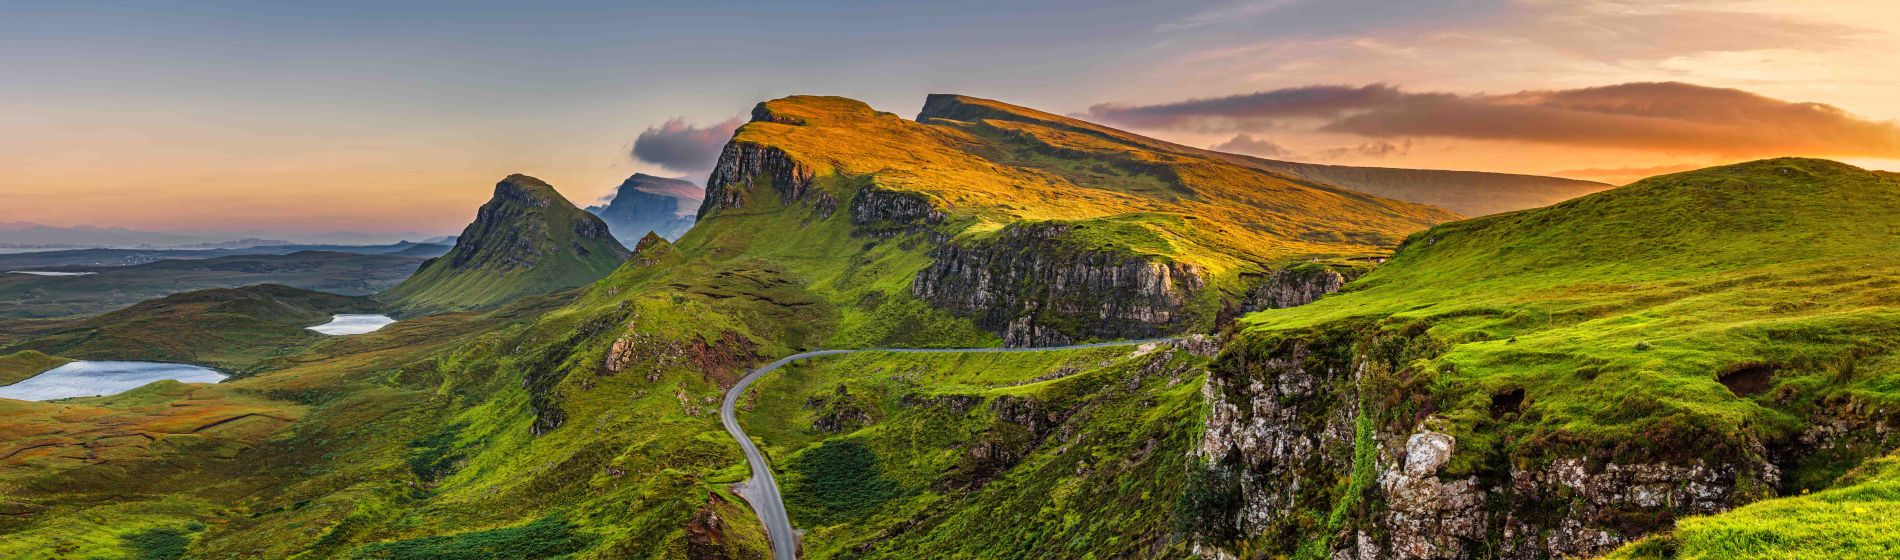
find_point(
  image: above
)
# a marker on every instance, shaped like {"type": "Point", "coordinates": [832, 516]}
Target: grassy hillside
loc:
{"type": "Point", "coordinates": [527, 240]}
{"type": "Point", "coordinates": [20, 365]}
{"type": "Point", "coordinates": [228, 328]}
{"type": "Point", "coordinates": [1069, 454]}
{"type": "Point", "coordinates": [113, 287]}
{"type": "Point", "coordinates": [1711, 315]}
{"type": "Point", "coordinates": [1472, 193]}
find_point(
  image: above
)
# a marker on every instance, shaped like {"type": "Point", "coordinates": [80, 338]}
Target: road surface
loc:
{"type": "Point", "coordinates": [762, 490]}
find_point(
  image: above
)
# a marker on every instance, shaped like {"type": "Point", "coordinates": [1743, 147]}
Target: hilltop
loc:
{"type": "Point", "coordinates": [526, 240]}
{"type": "Point", "coordinates": [1698, 328]}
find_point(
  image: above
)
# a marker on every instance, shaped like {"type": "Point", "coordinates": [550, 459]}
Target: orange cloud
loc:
{"type": "Point", "coordinates": [1656, 116]}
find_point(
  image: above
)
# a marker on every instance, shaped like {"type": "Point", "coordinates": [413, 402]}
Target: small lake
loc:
{"type": "Point", "coordinates": [96, 378]}
{"type": "Point", "coordinates": [48, 273]}
{"type": "Point", "coordinates": [353, 324]}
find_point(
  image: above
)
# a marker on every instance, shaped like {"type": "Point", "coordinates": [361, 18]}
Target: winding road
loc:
{"type": "Point", "coordinates": [762, 490]}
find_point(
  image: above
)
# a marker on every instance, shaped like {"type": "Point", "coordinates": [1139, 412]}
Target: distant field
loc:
{"type": "Point", "coordinates": [113, 287]}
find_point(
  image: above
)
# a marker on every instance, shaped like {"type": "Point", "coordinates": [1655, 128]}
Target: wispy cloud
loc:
{"type": "Point", "coordinates": [1249, 144]}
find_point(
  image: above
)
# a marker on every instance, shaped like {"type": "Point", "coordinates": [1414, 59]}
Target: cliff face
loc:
{"type": "Point", "coordinates": [644, 203]}
{"type": "Point", "coordinates": [743, 163]}
{"type": "Point", "coordinates": [1035, 290]}
{"type": "Point", "coordinates": [1288, 414]}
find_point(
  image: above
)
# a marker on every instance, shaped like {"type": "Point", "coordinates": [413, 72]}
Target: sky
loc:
{"type": "Point", "coordinates": [399, 117]}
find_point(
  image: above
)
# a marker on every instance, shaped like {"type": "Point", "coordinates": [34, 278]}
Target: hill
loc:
{"type": "Point", "coordinates": [1042, 229]}
{"type": "Point", "coordinates": [526, 240]}
{"type": "Point", "coordinates": [1472, 193]}
{"type": "Point", "coordinates": [18, 366]}
{"type": "Point", "coordinates": [644, 203]}
{"type": "Point", "coordinates": [227, 328]}
{"type": "Point", "coordinates": [98, 289]}
{"type": "Point", "coordinates": [1682, 345]}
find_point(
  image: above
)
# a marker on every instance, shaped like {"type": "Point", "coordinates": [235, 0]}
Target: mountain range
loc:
{"type": "Point", "coordinates": [1697, 364]}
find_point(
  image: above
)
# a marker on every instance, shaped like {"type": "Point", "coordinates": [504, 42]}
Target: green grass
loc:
{"type": "Point", "coordinates": [23, 364]}
{"type": "Point", "coordinates": [1103, 480]}
{"type": "Point", "coordinates": [1858, 518]}
{"type": "Point", "coordinates": [1616, 312]}
{"type": "Point", "coordinates": [232, 329]}
{"type": "Point", "coordinates": [545, 538]}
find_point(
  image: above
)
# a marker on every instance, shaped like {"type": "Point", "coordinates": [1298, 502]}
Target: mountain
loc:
{"type": "Point", "coordinates": [1472, 193]}
{"type": "Point", "coordinates": [1568, 379]}
{"type": "Point", "coordinates": [1052, 229]}
{"type": "Point", "coordinates": [646, 203]}
{"type": "Point", "coordinates": [525, 240]}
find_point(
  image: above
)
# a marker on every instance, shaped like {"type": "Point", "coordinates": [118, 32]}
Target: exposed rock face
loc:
{"type": "Point", "coordinates": [839, 412]}
{"type": "Point", "coordinates": [1034, 289]}
{"type": "Point", "coordinates": [645, 203]}
{"type": "Point", "coordinates": [885, 212]}
{"type": "Point", "coordinates": [1293, 287]}
{"type": "Point", "coordinates": [741, 164]}
{"type": "Point", "coordinates": [1286, 415]}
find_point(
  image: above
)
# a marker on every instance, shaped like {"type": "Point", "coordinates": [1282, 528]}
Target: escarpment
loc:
{"type": "Point", "coordinates": [1288, 413]}
{"type": "Point", "coordinates": [742, 163]}
{"type": "Point", "coordinates": [1035, 289]}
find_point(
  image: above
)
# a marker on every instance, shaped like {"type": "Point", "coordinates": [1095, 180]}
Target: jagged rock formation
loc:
{"type": "Point", "coordinates": [1037, 290]}
{"type": "Point", "coordinates": [526, 240]}
{"type": "Point", "coordinates": [645, 203]}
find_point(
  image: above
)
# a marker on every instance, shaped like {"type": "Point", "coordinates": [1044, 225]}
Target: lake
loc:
{"type": "Point", "coordinates": [353, 324]}
{"type": "Point", "coordinates": [48, 273]}
{"type": "Point", "coordinates": [95, 378]}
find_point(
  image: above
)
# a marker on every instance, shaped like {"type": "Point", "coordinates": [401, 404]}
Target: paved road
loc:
{"type": "Point", "coordinates": [762, 490]}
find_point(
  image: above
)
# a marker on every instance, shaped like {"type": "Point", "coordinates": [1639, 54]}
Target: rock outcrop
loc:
{"type": "Point", "coordinates": [742, 164]}
{"type": "Point", "coordinates": [1288, 415]}
{"type": "Point", "coordinates": [1034, 288]}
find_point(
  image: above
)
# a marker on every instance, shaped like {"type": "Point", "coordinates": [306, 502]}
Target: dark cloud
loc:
{"type": "Point", "coordinates": [1249, 110]}
{"type": "Point", "coordinates": [1661, 116]}
{"type": "Point", "coordinates": [1248, 144]}
{"type": "Point", "coordinates": [683, 148]}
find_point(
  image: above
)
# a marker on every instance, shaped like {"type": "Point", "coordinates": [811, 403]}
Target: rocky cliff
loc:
{"type": "Point", "coordinates": [1036, 289]}
{"type": "Point", "coordinates": [1290, 415]}
{"type": "Point", "coordinates": [645, 203]}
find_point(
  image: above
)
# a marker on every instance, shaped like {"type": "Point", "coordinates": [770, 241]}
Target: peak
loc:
{"type": "Point", "coordinates": [650, 240]}
{"type": "Point", "coordinates": [528, 190]}
{"type": "Point", "coordinates": [799, 110]}
{"type": "Point", "coordinates": [955, 107]}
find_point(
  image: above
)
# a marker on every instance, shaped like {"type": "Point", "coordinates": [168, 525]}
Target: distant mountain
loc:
{"type": "Point", "coordinates": [1472, 193]}
{"type": "Point", "coordinates": [32, 235]}
{"type": "Point", "coordinates": [526, 240]}
{"type": "Point", "coordinates": [646, 203]}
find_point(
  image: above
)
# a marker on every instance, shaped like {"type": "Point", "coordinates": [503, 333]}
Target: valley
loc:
{"type": "Point", "coordinates": [991, 331]}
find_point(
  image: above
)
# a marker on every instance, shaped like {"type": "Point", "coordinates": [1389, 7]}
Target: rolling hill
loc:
{"type": "Point", "coordinates": [104, 288]}
{"type": "Point", "coordinates": [1472, 193]}
{"type": "Point", "coordinates": [227, 328]}
{"type": "Point", "coordinates": [1674, 347]}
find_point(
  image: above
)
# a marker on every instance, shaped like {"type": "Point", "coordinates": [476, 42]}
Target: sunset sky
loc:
{"type": "Point", "coordinates": [358, 116]}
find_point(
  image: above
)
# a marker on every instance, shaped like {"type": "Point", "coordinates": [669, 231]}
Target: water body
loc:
{"type": "Point", "coordinates": [48, 273]}
{"type": "Point", "coordinates": [353, 324]}
{"type": "Point", "coordinates": [96, 378]}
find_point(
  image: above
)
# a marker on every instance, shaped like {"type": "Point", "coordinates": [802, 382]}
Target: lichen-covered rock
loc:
{"type": "Point", "coordinates": [1293, 287]}
{"type": "Point", "coordinates": [1032, 287]}
{"type": "Point", "coordinates": [886, 212]}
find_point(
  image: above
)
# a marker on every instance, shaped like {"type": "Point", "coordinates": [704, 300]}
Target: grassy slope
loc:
{"type": "Point", "coordinates": [527, 240]}
{"type": "Point", "coordinates": [118, 286]}
{"type": "Point", "coordinates": [993, 163]}
{"type": "Point", "coordinates": [228, 328]}
{"type": "Point", "coordinates": [1616, 312]}
{"type": "Point", "coordinates": [911, 482]}
{"type": "Point", "coordinates": [26, 363]}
